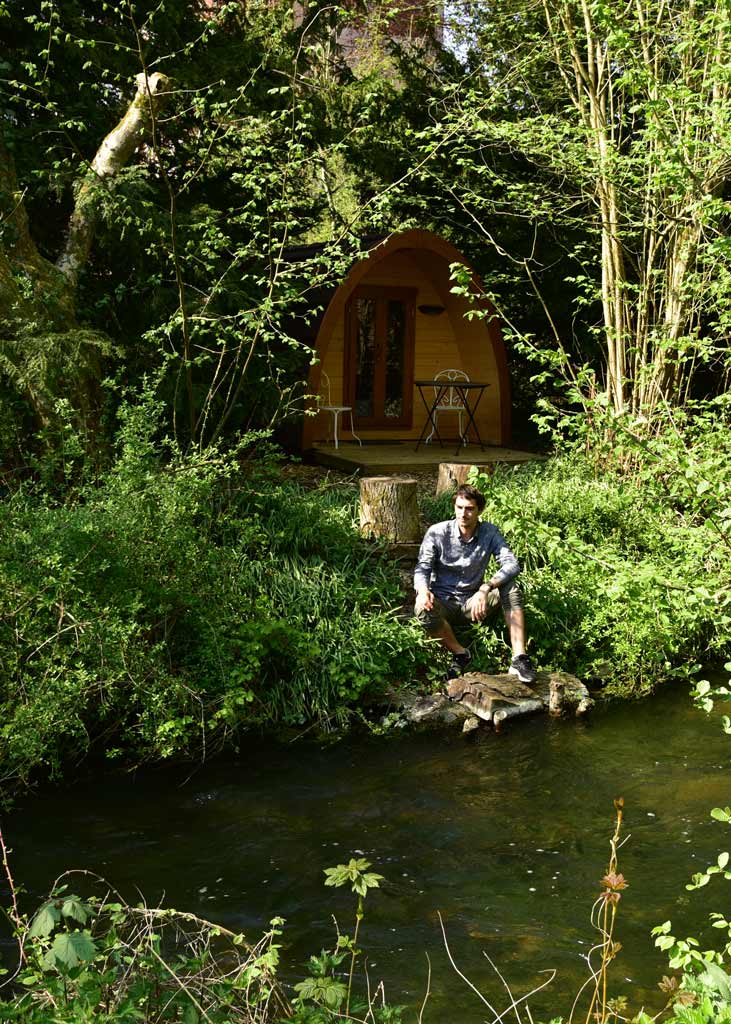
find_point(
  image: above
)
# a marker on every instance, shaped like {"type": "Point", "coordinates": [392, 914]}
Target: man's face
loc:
{"type": "Point", "coordinates": [466, 514]}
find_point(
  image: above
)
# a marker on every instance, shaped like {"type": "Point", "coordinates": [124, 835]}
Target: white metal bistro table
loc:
{"type": "Point", "coordinates": [470, 393]}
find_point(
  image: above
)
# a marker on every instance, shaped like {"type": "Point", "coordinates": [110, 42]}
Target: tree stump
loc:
{"type": "Point", "coordinates": [388, 509]}
{"type": "Point", "coordinates": [453, 474]}
{"type": "Point", "coordinates": [556, 697]}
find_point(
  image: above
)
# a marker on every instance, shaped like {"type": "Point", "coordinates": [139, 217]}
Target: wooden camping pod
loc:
{"type": "Point", "coordinates": [395, 320]}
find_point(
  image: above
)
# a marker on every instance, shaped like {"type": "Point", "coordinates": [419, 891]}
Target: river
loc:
{"type": "Point", "coordinates": [506, 836]}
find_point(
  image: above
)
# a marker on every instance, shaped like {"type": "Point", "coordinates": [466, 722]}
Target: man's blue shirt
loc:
{"type": "Point", "coordinates": [452, 567]}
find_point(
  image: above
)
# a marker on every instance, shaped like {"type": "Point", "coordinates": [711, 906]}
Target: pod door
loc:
{"type": "Point", "coordinates": [379, 356]}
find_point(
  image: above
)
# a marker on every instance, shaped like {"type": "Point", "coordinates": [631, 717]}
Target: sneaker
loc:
{"type": "Point", "coordinates": [522, 667]}
{"type": "Point", "coordinates": [458, 664]}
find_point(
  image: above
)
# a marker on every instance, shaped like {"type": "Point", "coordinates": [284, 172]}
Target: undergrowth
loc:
{"type": "Point", "coordinates": [175, 601]}
{"type": "Point", "coordinates": [167, 607]}
{"type": "Point", "coordinates": [622, 585]}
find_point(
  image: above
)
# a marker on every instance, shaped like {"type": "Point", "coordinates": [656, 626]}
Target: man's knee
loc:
{"type": "Point", "coordinates": [511, 596]}
{"type": "Point", "coordinates": [430, 619]}
{"type": "Point", "coordinates": [440, 615]}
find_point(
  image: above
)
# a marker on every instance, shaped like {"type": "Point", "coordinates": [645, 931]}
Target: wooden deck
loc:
{"type": "Point", "coordinates": [400, 457]}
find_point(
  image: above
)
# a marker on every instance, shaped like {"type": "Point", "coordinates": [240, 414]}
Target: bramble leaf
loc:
{"type": "Point", "coordinates": [76, 910]}
{"type": "Point", "coordinates": [69, 949]}
{"type": "Point", "coordinates": [45, 921]}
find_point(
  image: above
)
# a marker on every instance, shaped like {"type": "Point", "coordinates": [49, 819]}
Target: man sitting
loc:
{"type": "Point", "coordinates": [451, 592]}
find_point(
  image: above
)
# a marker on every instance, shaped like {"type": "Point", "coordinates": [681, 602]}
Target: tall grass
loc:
{"type": "Point", "coordinates": [181, 600]}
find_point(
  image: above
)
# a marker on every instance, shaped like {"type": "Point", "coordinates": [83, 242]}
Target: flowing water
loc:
{"type": "Point", "coordinates": [505, 836]}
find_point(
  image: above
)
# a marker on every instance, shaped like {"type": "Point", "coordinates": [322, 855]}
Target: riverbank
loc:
{"type": "Point", "coordinates": [181, 603]}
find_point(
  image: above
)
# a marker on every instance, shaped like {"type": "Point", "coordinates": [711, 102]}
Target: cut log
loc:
{"type": "Point", "coordinates": [494, 698]}
{"type": "Point", "coordinates": [575, 696]}
{"type": "Point", "coordinates": [453, 474]}
{"type": "Point", "coordinates": [389, 509]}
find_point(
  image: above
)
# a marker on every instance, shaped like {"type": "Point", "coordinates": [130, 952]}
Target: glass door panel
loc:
{"type": "Point", "coordinates": [365, 357]}
{"type": "Point", "coordinates": [379, 356]}
{"type": "Point", "coordinates": [393, 406]}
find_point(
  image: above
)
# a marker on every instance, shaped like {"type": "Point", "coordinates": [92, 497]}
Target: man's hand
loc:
{"type": "Point", "coordinates": [479, 607]}
{"type": "Point", "coordinates": [424, 601]}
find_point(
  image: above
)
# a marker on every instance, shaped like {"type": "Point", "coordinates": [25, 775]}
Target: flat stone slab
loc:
{"type": "Point", "coordinates": [496, 698]}
{"type": "Point", "coordinates": [488, 688]}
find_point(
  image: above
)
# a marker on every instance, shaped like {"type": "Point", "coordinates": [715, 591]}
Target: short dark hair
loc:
{"type": "Point", "coordinates": [470, 493]}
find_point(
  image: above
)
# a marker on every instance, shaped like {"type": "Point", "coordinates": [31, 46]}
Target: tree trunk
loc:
{"type": "Point", "coordinates": [388, 509]}
{"type": "Point", "coordinates": [43, 348]}
{"type": "Point", "coordinates": [113, 154]}
{"type": "Point", "coordinates": [453, 474]}
{"type": "Point", "coordinates": [42, 297]}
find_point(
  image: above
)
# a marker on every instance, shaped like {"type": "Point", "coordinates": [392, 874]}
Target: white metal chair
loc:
{"type": "Point", "coordinates": [450, 399]}
{"type": "Point", "coordinates": [335, 410]}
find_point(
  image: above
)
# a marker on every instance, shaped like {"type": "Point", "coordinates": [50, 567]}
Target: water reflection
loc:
{"type": "Point", "coordinates": [505, 836]}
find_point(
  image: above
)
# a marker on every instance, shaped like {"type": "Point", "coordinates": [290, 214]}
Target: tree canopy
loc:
{"type": "Point", "coordinates": [158, 162]}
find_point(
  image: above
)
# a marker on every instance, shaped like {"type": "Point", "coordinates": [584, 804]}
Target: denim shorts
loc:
{"type": "Point", "coordinates": [457, 613]}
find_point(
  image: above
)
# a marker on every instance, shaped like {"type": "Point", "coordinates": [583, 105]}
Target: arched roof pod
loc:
{"type": "Point", "coordinates": [394, 320]}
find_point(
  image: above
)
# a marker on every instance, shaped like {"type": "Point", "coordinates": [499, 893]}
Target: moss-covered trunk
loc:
{"type": "Point", "coordinates": [46, 354]}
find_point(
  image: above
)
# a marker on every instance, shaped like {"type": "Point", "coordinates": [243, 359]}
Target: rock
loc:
{"type": "Point", "coordinates": [477, 696]}
{"type": "Point", "coordinates": [406, 579]}
{"type": "Point", "coordinates": [426, 707]}
{"type": "Point", "coordinates": [434, 709]}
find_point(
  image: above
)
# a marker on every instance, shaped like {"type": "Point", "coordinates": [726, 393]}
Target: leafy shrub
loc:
{"type": "Point", "coordinates": [181, 599]}
{"type": "Point", "coordinates": [98, 958]}
{"type": "Point", "coordinates": [619, 581]}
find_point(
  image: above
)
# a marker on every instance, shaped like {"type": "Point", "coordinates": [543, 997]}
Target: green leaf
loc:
{"type": "Point", "coordinates": [721, 815]}
{"type": "Point", "coordinates": [334, 995]}
{"type": "Point", "coordinates": [76, 910]}
{"type": "Point", "coordinates": [191, 1015]}
{"type": "Point", "coordinates": [716, 979]}
{"type": "Point", "coordinates": [69, 949]}
{"type": "Point", "coordinates": [45, 921]}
